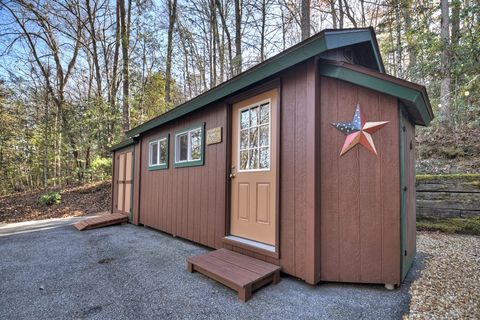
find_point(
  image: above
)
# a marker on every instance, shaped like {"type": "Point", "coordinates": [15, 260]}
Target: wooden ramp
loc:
{"type": "Point", "coordinates": [101, 221]}
{"type": "Point", "coordinates": [236, 271]}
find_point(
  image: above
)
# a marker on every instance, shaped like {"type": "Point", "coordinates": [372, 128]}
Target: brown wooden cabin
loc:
{"type": "Point", "coordinates": [253, 165]}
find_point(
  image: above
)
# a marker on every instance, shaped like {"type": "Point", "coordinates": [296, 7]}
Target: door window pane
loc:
{"type": "Point", "coordinates": [253, 137]}
{"type": "Point", "coordinates": [244, 160]}
{"type": "Point", "coordinates": [253, 116]}
{"type": "Point", "coordinates": [253, 159]}
{"type": "Point", "coordinates": [245, 119]}
{"type": "Point", "coordinates": [264, 135]}
{"type": "Point", "coordinates": [264, 162]}
{"type": "Point", "coordinates": [265, 113]}
{"type": "Point", "coordinates": [244, 139]}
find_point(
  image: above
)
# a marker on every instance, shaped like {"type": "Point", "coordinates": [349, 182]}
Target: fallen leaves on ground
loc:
{"type": "Point", "coordinates": [76, 201]}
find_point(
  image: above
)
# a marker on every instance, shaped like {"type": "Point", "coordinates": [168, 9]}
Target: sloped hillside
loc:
{"type": "Point", "coordinates": [75, 201]}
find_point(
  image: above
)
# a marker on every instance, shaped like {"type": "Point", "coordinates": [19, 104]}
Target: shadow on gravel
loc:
{"type": "Point", "coordinates": [412, 275]}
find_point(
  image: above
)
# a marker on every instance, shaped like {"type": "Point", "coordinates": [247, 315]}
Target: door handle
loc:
{"type": "Point", "coordinates": [232, 175]}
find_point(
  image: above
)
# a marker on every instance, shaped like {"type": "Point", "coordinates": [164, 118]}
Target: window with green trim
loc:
{"type": "Point", "coordinates": [158, 154]}
{"type": "Point", "coordinates": [189, 147]}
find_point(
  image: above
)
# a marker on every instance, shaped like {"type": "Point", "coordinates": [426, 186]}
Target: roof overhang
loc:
{"type": "Point", "coordinates": [311, 47]}
{"type": "Point", "coordinates": [121, 145]}
{"type": "Point", "coordinates": [412, 95]}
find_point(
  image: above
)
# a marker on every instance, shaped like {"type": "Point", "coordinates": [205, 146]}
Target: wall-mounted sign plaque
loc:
{"type": "Point", "coordinates": [214, 135]}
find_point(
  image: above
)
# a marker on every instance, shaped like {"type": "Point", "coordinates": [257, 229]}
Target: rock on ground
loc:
{"type": "Point", "coordinates": [448, 286]}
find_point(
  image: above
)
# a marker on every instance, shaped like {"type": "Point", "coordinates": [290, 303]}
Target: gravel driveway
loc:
{"type": "Point", "coordinates": [48, 270]}
{"type": "Point", "coordinates": [449, 284]}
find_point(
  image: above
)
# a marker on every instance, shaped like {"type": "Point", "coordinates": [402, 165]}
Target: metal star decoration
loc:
{"type": "Point", "coordinates": [359, 131]}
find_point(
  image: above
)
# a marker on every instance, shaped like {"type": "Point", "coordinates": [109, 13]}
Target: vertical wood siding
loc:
{"type": "Point", "coordinates": [294, 178]}
{"type": "Point", "coordinates": [360, 192]}
{"type": "Point", "coordinates": [188, 202]}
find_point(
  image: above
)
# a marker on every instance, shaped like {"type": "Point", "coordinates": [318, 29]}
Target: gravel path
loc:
{"type": "Point", "coordinates": [448, 286]}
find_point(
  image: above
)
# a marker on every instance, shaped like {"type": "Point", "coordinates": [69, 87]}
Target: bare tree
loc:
{"type": "Point", "coordinates": [172, 16]}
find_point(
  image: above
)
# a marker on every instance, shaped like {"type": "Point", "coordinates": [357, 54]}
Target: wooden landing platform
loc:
{"type": "Point", "coordinates": [101, 221]}
{"type": "Point", "coordinates": [236, 271]}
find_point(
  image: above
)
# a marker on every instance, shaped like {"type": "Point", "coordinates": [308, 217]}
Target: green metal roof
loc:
{"type": "Point", "coordinates": [317, 44]}
{"type": "Point", "coordinates": [414, 96]}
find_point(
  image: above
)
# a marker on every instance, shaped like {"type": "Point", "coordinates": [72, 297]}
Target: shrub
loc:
{"type": "Point", "coordinates": [52, 197]}
{"type": "Point", "coordinates": [101, 168]}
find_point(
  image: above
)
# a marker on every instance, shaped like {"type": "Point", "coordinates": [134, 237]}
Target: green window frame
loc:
{"type": "Point", "coordinates": [158, 161]}
{"type": "Point", "coordinates": [190, 146]}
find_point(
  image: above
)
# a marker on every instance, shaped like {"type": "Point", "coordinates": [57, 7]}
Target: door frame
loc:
{"type": "Point", "coordinates": [115, 180]}
{"type": "Point", "coordinates": [271, 84]}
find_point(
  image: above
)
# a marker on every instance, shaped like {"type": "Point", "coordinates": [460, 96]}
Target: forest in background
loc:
{"type": "Point", "coordinates": [76, 74]}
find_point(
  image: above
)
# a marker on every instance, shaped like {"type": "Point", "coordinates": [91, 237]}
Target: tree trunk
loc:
{"type": "Point", "coordinates": [411, 45]}
{"type": "Point", "coordinates": [114, 82]}
{"type": "Point", "coordinates": [238, 37]}
{"type": "Point", "coordinates": [262, 33]}
{"type": "Point", "coordinates": [91, 20]}
{"type": "Point", "coordinates": [340, 14]}
{"type": "Point", "coordinates": [398, 25]}
{"type": "Point", "coordinates": [227, 34]}
{"type": "Point", "coordinates": [46, 137]}
{"type": "Point", "coordinates": [333, 13]}
{"type": "Point", "coordinates": [445, 64]}
{"type": "Point", "coordinates": [125, 32]}
{"type": "Point", "coordinates": [172, 15]}
{"type": "Point", "coordinates": [305, 19]}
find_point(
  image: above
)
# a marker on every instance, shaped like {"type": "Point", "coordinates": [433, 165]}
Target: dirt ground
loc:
{"type": "Point", "coordinates": [76, 201]}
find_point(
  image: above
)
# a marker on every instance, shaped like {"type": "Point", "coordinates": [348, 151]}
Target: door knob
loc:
{"type": "Point", "coordinates": [232, 175]}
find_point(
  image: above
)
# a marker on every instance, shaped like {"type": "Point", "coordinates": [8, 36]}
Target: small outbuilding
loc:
{"type": "Point", "coordinates": [305, 161]}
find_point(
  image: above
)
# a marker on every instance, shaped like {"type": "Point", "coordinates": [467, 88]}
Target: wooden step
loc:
{"type": "Point", "coordinates": [239, 272]}
{"type": "Point", "coordinates": [101, 221]}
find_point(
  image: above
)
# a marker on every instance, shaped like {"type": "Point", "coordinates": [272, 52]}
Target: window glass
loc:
{"type": "Point", "coordinates": [163, 151]}
{"type": "Point", "coordinates": [254, 138]}
{"type": "Point", "coordinates": [245, 119]}
{"type": "Point", "coordinates": [188, 147]}
{"type": "Point", "coordinates": [264, 161]}
{"type": "Point", "coordinates": [244, 139]}
{"type": "Point", "coordinates": [244, 160]}
{"type": "Point", "coordinates": [253, 116]}
{"type": "Point", "coordinates": [154, 153]}
{"type": "Point", "coordinates": [195, 145]}
{"type": "Point", "coordinates": [182, 147]}
{"type": "Point", "coordinates": [253, 159]}
{"type": "Point", "coordinates": [265, 113]}
{"type": "Point", "coordinates": [264, 134]}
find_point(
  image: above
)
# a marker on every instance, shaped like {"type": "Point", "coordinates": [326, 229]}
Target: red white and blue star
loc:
{"type": "Point", "coordinates": [359, 131]}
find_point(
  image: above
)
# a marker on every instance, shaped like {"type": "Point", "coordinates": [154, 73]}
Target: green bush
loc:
{"type": "Point", "coordinates": [52, 197]}
{"type": "Point", "coordinates": [101, 168]}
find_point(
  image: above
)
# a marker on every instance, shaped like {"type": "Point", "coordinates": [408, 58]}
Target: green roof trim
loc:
{"type": "Point", "coordinates": [311, 47]}
{"type": "Point", "coordinates": [409, 95]}
{"type": "Point", "coordinates": [125, 143]}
